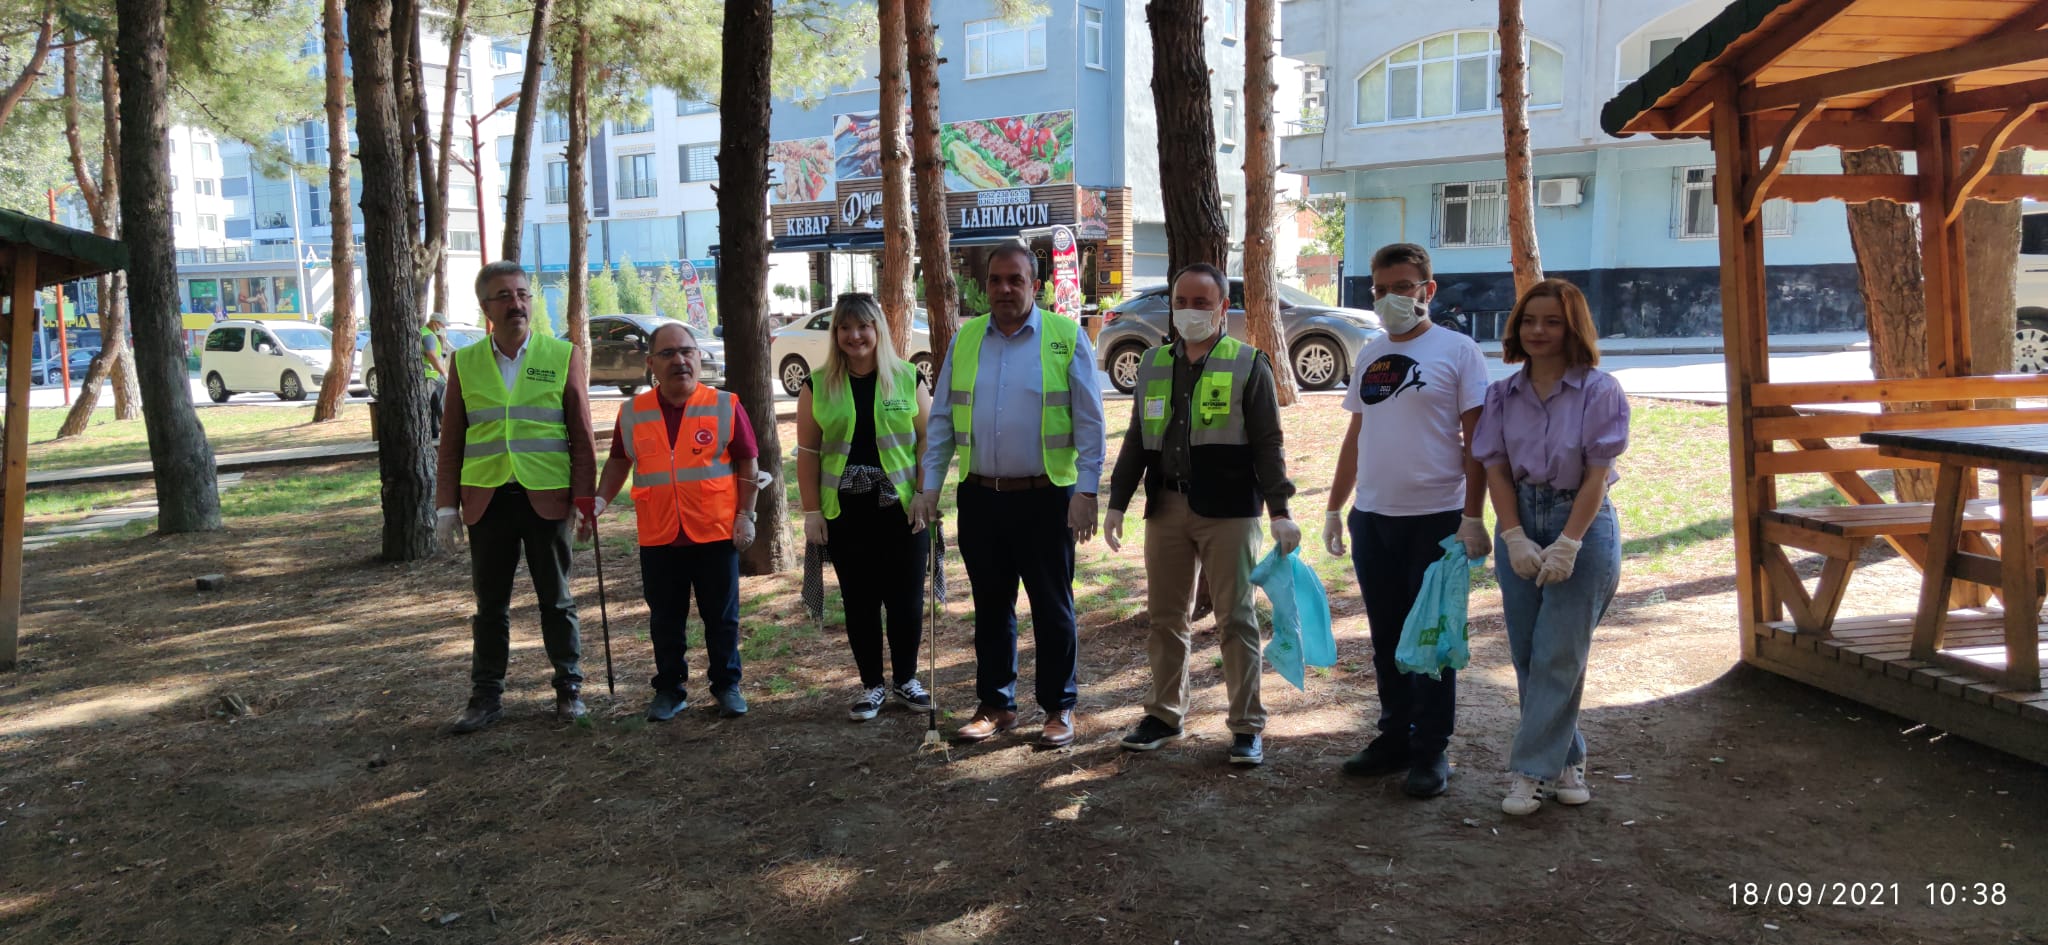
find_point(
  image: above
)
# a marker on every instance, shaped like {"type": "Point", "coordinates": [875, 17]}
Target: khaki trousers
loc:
{"type": "Point", "coordinates": [1175, 540]}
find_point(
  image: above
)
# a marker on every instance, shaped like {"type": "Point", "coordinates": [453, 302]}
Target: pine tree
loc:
{"type": "Point", "coordinates": [602, 296]}
{"type": "Point", "coordinates": [632, 290]}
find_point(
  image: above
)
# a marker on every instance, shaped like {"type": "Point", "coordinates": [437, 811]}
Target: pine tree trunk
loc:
{"type": "Point", "coordinates": [404, 456]}
{"type": "Point", "coordinates": [458, 31]}
{"type": "Point", "coordinates": [1261, 272]}
{"type": "Point", "coordinates": [433, 217]}
{"type": "Point", "coordinates": [522, 133]}
{"type": "Point", "coordinates": [577, 318]}
{"type": "Point", "coordinates": [186, 494]}
{"type": "Point", "coordinates": [114, 309]}
{"type": "Point", "coordinates": [32, 70]}
{"type": "Point", "coordinates": [1196, 229]}
{"type": "Point", "coordinates": [1514, 119]}
{"type": "Point", "coordinates": [96, 373]}
{"type": "Point", "coordinates": [1885, 238]}
{"type": "Point", "coordinates": [941, 293]}
{"type": "Point", "coordinates": [896, 292]}
{"type": "Point", "coordinates": [745, 100]}
{"type": "Point", "coordinates": [1992, 233]}
{"type": "Point", "coordinates": [342, 265]}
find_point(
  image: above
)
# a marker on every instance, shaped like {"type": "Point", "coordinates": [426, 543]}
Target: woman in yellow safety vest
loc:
{"type": "Point", "coordinates": [860, 431]}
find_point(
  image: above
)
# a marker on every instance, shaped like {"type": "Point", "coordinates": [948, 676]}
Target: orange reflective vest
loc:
{"type": "Point", "coordinates": [686, 486]}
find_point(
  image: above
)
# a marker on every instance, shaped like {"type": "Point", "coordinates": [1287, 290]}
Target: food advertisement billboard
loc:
{"type": "Point", "coordinates": [1016, 151]}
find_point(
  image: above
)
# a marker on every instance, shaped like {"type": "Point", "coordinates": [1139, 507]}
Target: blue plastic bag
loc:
{"type": "Point", "coordinates": [1434, 637]}
{"type": "Point", "coordinates": [1301, 616]}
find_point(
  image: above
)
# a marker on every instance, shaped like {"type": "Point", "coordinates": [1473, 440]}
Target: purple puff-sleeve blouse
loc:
{"type": "Point", "coordinates": [1551, 442]}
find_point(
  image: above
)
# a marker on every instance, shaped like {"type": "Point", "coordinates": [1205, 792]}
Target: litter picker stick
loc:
{"type": "Point", "coordinates": [932, 741]}
{"type": "Point", "coordinates": [604, 617]}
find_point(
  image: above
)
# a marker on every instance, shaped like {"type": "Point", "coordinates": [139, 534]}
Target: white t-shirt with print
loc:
{"type": "Point", "coordinates": [1409, 396]}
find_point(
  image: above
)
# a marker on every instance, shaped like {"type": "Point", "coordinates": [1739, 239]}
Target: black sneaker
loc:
{"type": "Point", "coordinates": [869, 704]}
{"type": "Point", "coordinates": [912, 695]}
{"type": "Point", "coordinates": [1385, 755]}
{"type": "Point", "coordinates": [481, 712]}
{"type": "Point", "coordinates": [1429, 777]}
{"type": "Point", "coordinates": [666, 705]}
{"type": "Point", "coordinates": [1247, 749]}
{"type": "Point", "coordinates": [731, 704]}
{"type": "Point", "coordinates": [1150, 733]}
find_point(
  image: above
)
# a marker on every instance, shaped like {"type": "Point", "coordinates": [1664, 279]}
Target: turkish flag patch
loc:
{"type": "Point", "coordinates": [703, 437]}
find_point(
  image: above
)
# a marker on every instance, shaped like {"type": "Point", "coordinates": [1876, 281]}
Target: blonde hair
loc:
{"type": "Point", "coordinates": [1581, 349]}
{"type": "Point", "coordinates": [862, 307]}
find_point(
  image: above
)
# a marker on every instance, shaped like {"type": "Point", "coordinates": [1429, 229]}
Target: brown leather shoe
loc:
{"type": "Point", "coordinates": [569, 708]}
{"type": "Point", "coordinates": [986, 722]}
{"type": "Point", "coordinates": [1059, 729]}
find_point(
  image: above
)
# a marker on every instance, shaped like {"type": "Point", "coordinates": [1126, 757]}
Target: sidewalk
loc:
{"type": "Point", "coordinates": [1818, 343]}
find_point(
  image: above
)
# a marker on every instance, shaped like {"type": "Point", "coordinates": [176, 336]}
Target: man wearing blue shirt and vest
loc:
{"type": "Point", "coordinates": [1023, 402]}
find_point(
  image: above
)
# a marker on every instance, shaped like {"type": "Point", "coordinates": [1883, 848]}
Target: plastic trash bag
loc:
{"type": "Point", "coordinates": [1301, 616]}
{"type": "Point", "coordinates": [1435, 635]}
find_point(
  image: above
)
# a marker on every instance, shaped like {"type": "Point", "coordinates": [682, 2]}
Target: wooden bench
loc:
{"type": "Point", "coordinates": [1839, 533]}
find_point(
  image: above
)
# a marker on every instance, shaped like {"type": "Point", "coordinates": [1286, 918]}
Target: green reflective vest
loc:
{"type": "Point", "coordinates": [1058, 339]}
{"type": "Point", "coordinates": [895, 434]}
{"type": "Point", "coordinates": [517, 435]}
{"type": "Point", "coordinates": [432, 342]}
{"type": "Point", "coordinates": [1216, 420]}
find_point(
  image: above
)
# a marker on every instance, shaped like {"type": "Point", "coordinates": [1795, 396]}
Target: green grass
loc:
{"type": "Point", "coordinates": [71, 500]}
{"type": "Point", "coordinates": [301, 493]}
{"type": "Point", "coordinates": [107, 441]}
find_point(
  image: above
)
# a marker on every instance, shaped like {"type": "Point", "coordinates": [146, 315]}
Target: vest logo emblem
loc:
{"type": "Point", "coordinates": [703, 438]}
{"type": "Point", "coordinates": [543, 375]}
{"type": "Point", "coordinates": [898, 405]}
{"type": "Point", "coordinates": [1061, 348]}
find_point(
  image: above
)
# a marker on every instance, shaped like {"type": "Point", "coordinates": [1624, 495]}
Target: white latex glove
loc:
{"type": "Point", "coordinates": [1286, 535]}
{"type": "Point", "coordinates": [742, 532]}
{"type": "Point", "coordinates": [814, 527]}
{"type": "Point", "coordinates": [1333, 533]}
{"type": "Point", "coordinates": [1523, 555]}
{"type": "Point", "coordinates": [924, 510]}
{"type": "Point", "coordinates": [598, 506]}
{"type": "Point", "coordinates": [1558, 560]}
{"type": "Point", "coordinates": [1081, 517]}
{"type": "Point", "coordinates": [448, 530]}
{"type": "Point", "coordinates": [1472, 531]}
{"type": "Point", "coordinates": [1113, 529]}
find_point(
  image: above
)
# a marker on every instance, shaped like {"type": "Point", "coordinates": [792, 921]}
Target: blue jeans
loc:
{"type": "Point", "coordinates": [1550, 629]}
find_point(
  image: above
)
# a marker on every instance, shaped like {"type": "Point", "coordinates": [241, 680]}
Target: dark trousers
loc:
{"type": "Point", "coordinates": [1390, 554]}
{"type": "Point", "coordinates": [508, 527]}
{"type": "Point", "coordinates": [880, 566]}
{"type": "Point", "coordinates": [668, 575]}
{"type": "Point", "coordinates": [437, 391]}
{"type": "Point", "coordinates": [1012, 537]}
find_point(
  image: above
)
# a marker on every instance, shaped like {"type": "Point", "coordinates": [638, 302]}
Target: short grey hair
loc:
{"type": "Point", "coordinates": [492, 270]}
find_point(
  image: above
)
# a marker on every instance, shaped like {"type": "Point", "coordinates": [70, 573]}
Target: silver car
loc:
{"type": "Point", "coordinates": [1322, 340]}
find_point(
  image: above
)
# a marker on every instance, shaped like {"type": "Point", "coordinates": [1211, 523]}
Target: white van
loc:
{"type": "Point", "coordinates": [286, 358]}
{"type": "Point", "coordinates": [2030, 330]}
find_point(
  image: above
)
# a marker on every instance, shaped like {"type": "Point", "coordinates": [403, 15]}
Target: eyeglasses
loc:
{"type": "Point", "coordinates": [509, 295]}
{"type": "Point", "coordinates": [669, 354]}
{"type": "Point", "coordinates": [1398, 288]}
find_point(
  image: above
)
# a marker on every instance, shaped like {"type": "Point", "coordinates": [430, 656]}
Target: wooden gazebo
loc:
{"type": "Point", "coordinates": [33, 254]}
{"type": "Point", "coordinates": [1767, 78]}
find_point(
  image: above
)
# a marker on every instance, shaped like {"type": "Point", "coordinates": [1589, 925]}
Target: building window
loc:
{"type": "Point", "coordinates": [501, 56]}
{"type": "Point", "coordinates": [554, 126]}
{"type": "Point", "coordinates": [995, 47]}
{"type": "Point", "coordinates": [202, 151]}
{"type": "Point", "coordinates": [1228, 126]}
{"type": "Point", "coordinates": [461, 195]}
{"type": "Point", "coordinates": [313, 142]}
{"type": "Point", "coordinates": [208, 222]}
{"type": "Point", "coordinates": [203, 186]}
{"type": "Point", "coordinates": [234, 187]}
{"type": "Point", "coordinates": [177, 219]}
{"type": "Point", "coordinates": [1229, 19]}
{"type": "Point", "coordinates": [316, 205]}
{"type": "Point", "coordinates": [174, 183]}
{"type": "Point", "coordinates": [1472, 214]}
{"type": "Point", "coordinates": [686, 106]}
{"type": "Point", "coordinates": [1696, 218]}
{"type": "Point", "coordinates": [1091, 38]}
{"type": "Point", "coordinates": [1451, 75]}
{"type": "Point", "coordinates": [462, 241]}
{"type": "Point", "coordinates": [558, 182]}
{"type": "Point", "coordinates": [699, 162]}
{"type": "Point", "coordinates": [636, 176]}
{"type": "Point", "coordinates": [628, 126]}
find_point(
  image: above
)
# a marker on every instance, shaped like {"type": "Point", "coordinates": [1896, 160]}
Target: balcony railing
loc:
{"type": "Point", "coordinates": [1307, 125]}
{"type": "Point", "coordinates": [631, 188]}
{"type": "Point", "coordinates": [558, 195]}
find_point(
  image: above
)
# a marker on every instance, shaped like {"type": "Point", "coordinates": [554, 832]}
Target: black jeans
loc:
{"type": "Point", "coordinates": [1012, 537]}
{"type": "Point", "coordinates": [668, 575]}
{"type": "Point", "coordinates": [508, 527]}
{"type": "Point", "coordinates": [1390, 554]}
{"type": "Point", "coordinates": [880, 566]}
{"type": "Point", "coordinates": [437, 391]}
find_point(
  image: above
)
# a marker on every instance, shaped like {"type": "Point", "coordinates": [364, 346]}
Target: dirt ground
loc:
{"type": "Point", "coordinates": [135, 806]}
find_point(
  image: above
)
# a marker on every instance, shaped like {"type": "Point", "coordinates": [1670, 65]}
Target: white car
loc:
{"type": "Point", "coordinates": [2030, 330]}
{"type": "Point", "coordinates": [459, 336]}
{"type": "Point", "coordinates": [286, 358]}
{"type": "Point", "coordinates": [800, 349]}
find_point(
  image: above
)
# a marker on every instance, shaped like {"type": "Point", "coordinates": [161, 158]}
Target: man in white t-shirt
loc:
{"type": "Point", "coordinates": [1415, 399]}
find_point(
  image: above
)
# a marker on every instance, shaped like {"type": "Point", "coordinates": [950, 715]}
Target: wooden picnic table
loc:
{"type": "Point", "coordinates": [2015, 453]}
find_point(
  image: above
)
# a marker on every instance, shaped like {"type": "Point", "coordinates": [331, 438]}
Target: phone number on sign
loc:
{"type": "Point", "coordinates": [1863, 894]}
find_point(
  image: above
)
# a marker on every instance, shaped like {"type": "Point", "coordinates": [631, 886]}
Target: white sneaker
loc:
{"type": "Point", "coordinates": [1525, 796]}
{"type": "Point", "coordinates": [869, 704]}
{"type": "Point", "coordinates": [1571, 789]}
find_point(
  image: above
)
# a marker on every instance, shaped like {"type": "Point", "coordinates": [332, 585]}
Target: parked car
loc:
{"type": "Point", "coordinates": [2030, 328]}
{"type": "Point", "coordinates": [284, 358]}
{"type": "Point", "coordinates": [46, 370]}
{"type": "Point", "coordinates": [1322, 340]}
{"type": "Point", "coordinates": [618, 352]}
{"type": "Point", "coordinates": [800, 348]}
{"type": "Point", "coordinates": [459, 336]}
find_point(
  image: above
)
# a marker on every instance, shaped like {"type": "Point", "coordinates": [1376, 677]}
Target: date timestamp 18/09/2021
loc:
{"type": "Point", "coordinates": [1839, 893]}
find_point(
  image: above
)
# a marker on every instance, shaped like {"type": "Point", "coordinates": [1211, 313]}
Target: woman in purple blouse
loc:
{"type": "Point", "coordinates": [1548, 437]}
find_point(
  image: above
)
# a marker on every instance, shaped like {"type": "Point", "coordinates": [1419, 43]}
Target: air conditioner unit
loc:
{"type": "Point", "coordinates": [1559, 192]}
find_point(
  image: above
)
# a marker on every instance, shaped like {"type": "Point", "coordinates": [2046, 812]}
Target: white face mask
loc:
{"type": "Point", "coordinates": [1399, 314]}
{"type": "Point", "coordinates": [1194, 324]}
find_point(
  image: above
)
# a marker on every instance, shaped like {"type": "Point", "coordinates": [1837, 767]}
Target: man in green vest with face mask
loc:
{"type": "Point", "coordinates": [434, 351]}
{"type": "Point", "coordinates": [1205, 439]}
{"type": "Point", "coordinates": [517, 463]}
{"type": "Point", "coordinates": [1024, 404]}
